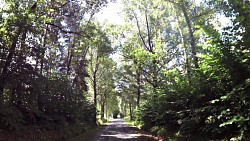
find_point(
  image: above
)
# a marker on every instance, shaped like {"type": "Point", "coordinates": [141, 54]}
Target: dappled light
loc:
{"type": "Point", "coordinates": [137, 70]}
{"type": "Point", "coordinates": [117, 130]}
{"type": "Point", "coordinates": [123, 136]}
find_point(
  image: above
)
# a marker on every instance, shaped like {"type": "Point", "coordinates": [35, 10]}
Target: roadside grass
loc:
{"type": "Point", "coordinates": [137, 126]}
{"type": "Point", "coordinates": [102, 121]}
{"type": "Point", "coordinates": [91, 133]}
{"type": "Point", "coordinates": [131, 122]}
{"type": "Point", "coordinates": [85, 136]}
{"type": "Point", "coordinates": [128, 121]}
{"type": "Point", "coordinates": [161, 132]}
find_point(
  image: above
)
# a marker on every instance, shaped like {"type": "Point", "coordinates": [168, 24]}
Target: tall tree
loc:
{"type": "Point", "coordinates": [99, 49]}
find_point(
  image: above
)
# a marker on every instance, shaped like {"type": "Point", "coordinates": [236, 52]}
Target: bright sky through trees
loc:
{"type": "Point", "coordinates": [112, 14]}
{"type": "Point", "coordinates": [179, 69]}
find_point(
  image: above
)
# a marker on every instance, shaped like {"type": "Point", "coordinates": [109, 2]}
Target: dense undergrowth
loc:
{"type": "Point", "coordinates": [174, 116]}
{"type": "Point", "coordinates": [49, 109]}
{"type": "Point", "coordinates": [214, 104]}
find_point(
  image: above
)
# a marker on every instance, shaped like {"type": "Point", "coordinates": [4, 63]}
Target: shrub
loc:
{"type": "Point", "coordinates": [11, 118]}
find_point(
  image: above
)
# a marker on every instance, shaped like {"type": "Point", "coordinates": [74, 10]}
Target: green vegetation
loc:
{"type": "Point", "coordinates": [44, 66]}
{"type": "Point", "coordinates": [184, 75]}
{"type": "Point", "coordinates": [183, 72]}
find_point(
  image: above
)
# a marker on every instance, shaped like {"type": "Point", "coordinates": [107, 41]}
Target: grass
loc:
{"type": "Point", "coordinates": [91, 133]}
{"type": "Point", "coordinates": [131, 122]}
{"type": "Point", "coordinates": [102, 121]}
{"type": "Point", "coordinates": [85, 136]}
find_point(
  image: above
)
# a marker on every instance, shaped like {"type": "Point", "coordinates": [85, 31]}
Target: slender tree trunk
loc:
{"type": "Point", "coordinates": [43, 49]}
{"type": "Point", "coordinates": [106, 103]}
{"type": "Point", "coordinates": [125, 109]}
{"type": "Point", "coordinates": [70, 56]}
{"type": "Point", "coordinates": [191, 35]}
{"type": "Point", "coordinates": [4, 72]}
{"type": "Point", "coordinates": [95, 89]}
{"type": "Point", "coordinates": [2, 83]}
{"type": "Point", "coordinates": [183, 40]}
{"type": "Point", "coordinates": [138, 81]}
{"type": "Point", "coordinates": [155, 81]}
{"type": "Point", "coordinates": [95, 93]}
{"type": "Point", "coordinates": [130, 111]}
{"type": "Point", "coordinates": [102, 106]}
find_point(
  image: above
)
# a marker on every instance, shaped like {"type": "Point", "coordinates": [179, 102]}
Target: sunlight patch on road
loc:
{"type": "Point", "coordinates": [124, 136]}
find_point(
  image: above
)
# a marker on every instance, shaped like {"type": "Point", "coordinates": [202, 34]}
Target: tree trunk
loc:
{"type": "Point", "coordinates": [138, 73]}
{"type": "Point", "coordinates": [95, 90]}
{"type": "Point", "coordinates": [43, 49]}
{"type": "Point", "coordinates": [1, 91]}
{"type": "Point", "coordinates": [130, 111]}
{"type": "Point", "coordinates": [183, 40]}
{"type": "Point", "coordinates": [106, 103]}
{"type": "Point", "coordinates": [95, 93]}
{"type": "Point", "coordinates": [4, 72]}
{"type": "Point", "coordinates": [70, 56]}
{"type": "Point", "coordinates": [125, 109]}
{"type": "Point", "coordinates": [191, 35]}
{"type": "Point", "coordinates": [102, 107]}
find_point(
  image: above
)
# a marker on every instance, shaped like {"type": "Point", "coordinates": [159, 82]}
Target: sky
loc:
{"type": "Point", "coordinates": [112, 13]}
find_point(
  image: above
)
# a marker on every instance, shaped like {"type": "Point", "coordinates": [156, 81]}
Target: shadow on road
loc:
{"type": "Point", "coordinates": [117, 130]}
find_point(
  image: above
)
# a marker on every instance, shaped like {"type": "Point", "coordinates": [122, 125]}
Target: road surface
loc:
{"type": "Point", "coordinates": [117, 130]}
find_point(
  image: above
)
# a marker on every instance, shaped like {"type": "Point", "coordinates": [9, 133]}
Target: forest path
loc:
{"type": "Point", "coordinates": [117, 130]}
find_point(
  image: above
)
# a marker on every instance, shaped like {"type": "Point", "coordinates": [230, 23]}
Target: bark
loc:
{"type": "Point", "coordinates": [95, 89]}
{"type": "Point", "coordinates": [106, 103]}
{"type": "Point", "coordinates": [140, 34]}
{"type": "Point", "coordinates": [102, 106]}
{"type": "Point", "coordinates": [130, 111]}
{"type": "Point", "coordinates": [70, 56]}
{"type": "Point", "coordinates": [183, 40]}
{"type": "Point", "coordinates": [43, 49]}
{"type": "Point", "coordinates": [125, 109]}
{"type": "Point", "coordinates": [94, 70]}
{"type": "Point", "coordinates": [151, 48]}
{"type": "Point", "coordinates": [191, 35]}
{"type": "Point", "coordinates": [138, 87]}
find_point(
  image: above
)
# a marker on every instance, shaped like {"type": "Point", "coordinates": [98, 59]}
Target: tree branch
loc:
{"type": "Point", "coordinates": [138, 26]}
{"type": "Point", "coordinates": [173, 2]}
{"type": "Point", "coordinates": [149, 37]}
{"type": "Point", "coordinates": [70, 32]}
{"type": "Point", "coordinates": [64, 4]}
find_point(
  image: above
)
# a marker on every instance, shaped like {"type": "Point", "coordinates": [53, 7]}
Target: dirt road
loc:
{"type": "Point", "coordinates": [117, 130]}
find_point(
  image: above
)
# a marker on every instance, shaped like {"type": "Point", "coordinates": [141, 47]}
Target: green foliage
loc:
{"type": "Point", "coordinates": [213, 100]}
{"type": "Point", "coordinates": [102, 121]}
{"type": "Point", "coordinates": [43, 63]}
{"type": "Point", "coordinates": [11, 118]}
{"type": "Point", "coordinates": [180, 77]}
{"type": "Point", "coordinates": [72, 130]}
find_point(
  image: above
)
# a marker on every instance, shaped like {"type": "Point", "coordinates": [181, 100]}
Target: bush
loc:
{"type": "Point", "coordinates": [11, 118]}
{"type": "Point", "coordinates": [155, 129]}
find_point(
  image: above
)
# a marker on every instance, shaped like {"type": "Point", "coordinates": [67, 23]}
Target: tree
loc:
{"type": "Point", "coordinates": [43, 63]}
{"type": "Point", "coordinates": [99, 50]}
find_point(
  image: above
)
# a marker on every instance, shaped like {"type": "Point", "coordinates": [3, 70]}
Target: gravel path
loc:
{"type": "Point", "coordinates": [117, 130]}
